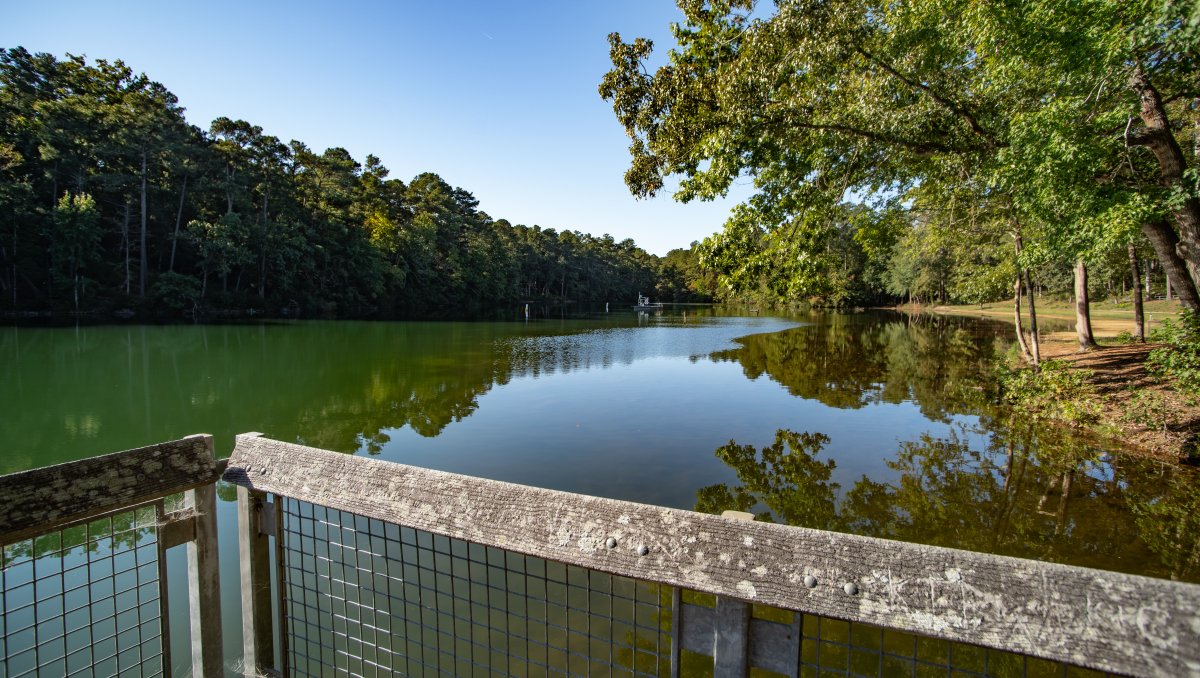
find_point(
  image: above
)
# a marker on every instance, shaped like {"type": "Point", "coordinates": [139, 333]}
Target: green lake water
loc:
{"type": "Point", "coordinates": [877, 424]}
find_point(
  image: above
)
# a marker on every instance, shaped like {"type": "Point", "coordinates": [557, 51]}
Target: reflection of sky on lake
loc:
{"type": "Point", "coordinates": [657, 337]}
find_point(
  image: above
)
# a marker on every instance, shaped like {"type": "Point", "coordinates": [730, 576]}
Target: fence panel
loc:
{"type": "Point", "coordinates": [367, 597]}
{"type": "Point", "coordinates": [83, 587]}
{"type": "Point", "coordinates": [86, 600]}
{"type": "Point", "coordinates": [870, 606]}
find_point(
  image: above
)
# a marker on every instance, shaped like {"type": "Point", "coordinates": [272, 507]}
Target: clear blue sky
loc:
{"type": "Point", "coordinates": [496, 97]}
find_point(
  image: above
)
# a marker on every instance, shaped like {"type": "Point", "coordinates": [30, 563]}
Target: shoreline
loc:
{"type": "Point", "coordinates": [1117, 372]}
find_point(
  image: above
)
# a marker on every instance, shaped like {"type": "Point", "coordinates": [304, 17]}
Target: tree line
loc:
{"type": "Point", "coordinates": [928, 150]}
{"type": "Point", "coordinates": [111, 200]}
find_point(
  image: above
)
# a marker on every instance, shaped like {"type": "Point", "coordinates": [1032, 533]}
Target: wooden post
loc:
{"type": "Point", "coordinates": [255, 564]}
{"type": "Point", "coordinates": [676, 630]}
{"type": "Point", "coordinates": [204, 583]}
{"type": "Point", "coordinates": [731, 640]}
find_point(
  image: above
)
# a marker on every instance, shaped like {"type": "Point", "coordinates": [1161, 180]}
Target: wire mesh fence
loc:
{"type": "Point", "coordinates": [86, 600]}
{"type": "Point", "coordinates": [370, 598]}
{"type": "Point", "coordinates": [366, 597]}
{"type": "Point", "coordinates": [836, 647]}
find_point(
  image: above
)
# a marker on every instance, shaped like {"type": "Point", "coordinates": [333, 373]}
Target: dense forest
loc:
{"type": "Point", "coordinates": [927, 150]}
{"type": "Point", "coordinates": [112, 201]}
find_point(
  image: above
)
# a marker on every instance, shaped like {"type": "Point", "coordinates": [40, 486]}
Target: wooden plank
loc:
{"type": "Point", "coordinates": [39, 500]}
{"type": "Point", "coordinates": [204, 584]}
{"type": "Point", "coordinates": [177, 530]}
{"type": "Point", "coordinates": [731, 642]}
{"type": "Point", "coordinates": [676, 631]}
{"type": "Point", "coordinates": [1103, 620]}
{"type": "Point", "coordinates": [258, 644]}
{"type": "Point", "coordinates": [697, 627]}
{"type": "Point", "coordinates": [775, 647]}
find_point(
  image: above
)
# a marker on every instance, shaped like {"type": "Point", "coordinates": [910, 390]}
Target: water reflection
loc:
{"type": "Point", "coordinates": [345, 386]}
{"type": "Point", "coordinates": [850, 361]}
{"type": "Point", "coordinates": [885, 420]}
{"type": "Point", "coordinates": [1049, 495]}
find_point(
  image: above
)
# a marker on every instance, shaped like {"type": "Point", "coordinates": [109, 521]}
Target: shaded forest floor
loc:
{"type": "Point", "coordinates": [1149, 416]}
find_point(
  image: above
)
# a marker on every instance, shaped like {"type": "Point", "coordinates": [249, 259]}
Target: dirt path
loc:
{"type": "Point", "coordinates": [1119, 375]}
{"type": "Point", "coordinates": [1168, 425]}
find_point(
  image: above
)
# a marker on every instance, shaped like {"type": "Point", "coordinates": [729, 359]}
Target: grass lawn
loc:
{"type": "Point", "coordinates": [1109, 318]}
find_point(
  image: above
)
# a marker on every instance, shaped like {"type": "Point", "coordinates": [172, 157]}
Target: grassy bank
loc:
{"type": "Point", "coordinates": [1108, 318]}
{"type": "Point", "coordinates": [1144, 414]}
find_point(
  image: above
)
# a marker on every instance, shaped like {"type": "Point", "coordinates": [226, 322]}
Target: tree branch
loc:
{"type": "Point", "coordinates": [954, 108]}
{"type": "Point", "coordinates": [918, 147]}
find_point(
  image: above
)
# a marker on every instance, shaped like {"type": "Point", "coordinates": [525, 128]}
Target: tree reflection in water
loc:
{"type": "Point", "coordinates": [1048, 495]}
{"type": "Point", "coordinates": [994, 483]}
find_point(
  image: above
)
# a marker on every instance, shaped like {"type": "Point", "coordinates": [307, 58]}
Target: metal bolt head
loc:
{"type": "Point", "coordinates": [850, 588]}
{"type": "Point", "coordinates": [810, 581]}
{"type": "Point", "coordinates": [611, 542]}
{"type": "Point", "coordinates": [643, 550]}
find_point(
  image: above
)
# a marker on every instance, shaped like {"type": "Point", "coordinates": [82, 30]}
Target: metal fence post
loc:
{"type": "Point", "coordinates": [255, 565]}
{"type": "Point", "coordinates": [204, 582]}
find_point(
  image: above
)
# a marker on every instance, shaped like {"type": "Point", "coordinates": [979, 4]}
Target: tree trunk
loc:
{"type": "Point", "coordinates": [1017, 318]}
{"type": "Point", "coordinates": [178, 223]}
{"type": "Point", "coordinates": [229, 174]}
{"type": "Point", "coordinates": [14, 265]}
{"type": "Point", "coordinates": [1083, 315]}
{"type": "Point", "coordinates": [125, 243]}
{"type": "Point", "coordinates": [1035, 346]}
{"type": "Point", "coordinates": [1139, 316]}
{"type": "Point", "coordinates": [1164, 241]}
{"type": "Point", "coordinates": [1196, 134]}
{"type": "Point", "coordinates": [1158, 137]}
{"type": "Point", "coordinates": [142, 236]}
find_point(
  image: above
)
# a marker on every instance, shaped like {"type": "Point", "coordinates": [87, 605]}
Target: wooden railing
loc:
{"type": "Point", "coordinates": [1090, 618]}
{"type": "Point", "coordinates": [54, 499]}
{"type": "Point", "coordinates": [1099, 620]}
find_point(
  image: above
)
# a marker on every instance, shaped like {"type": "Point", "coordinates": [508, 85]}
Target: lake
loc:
{"type": "Point", "coordinates": [873, 423]}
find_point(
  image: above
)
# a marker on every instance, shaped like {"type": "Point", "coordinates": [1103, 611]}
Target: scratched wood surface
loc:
{"type": "Point", "coordinates": [38, 500]}
{"type": "Point", "coordinates": [1103, 620]}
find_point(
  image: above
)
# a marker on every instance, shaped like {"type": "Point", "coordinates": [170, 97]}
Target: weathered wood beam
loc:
{"type": "Point", "coordinates": [258, 645]}
{"type": "Point", "coordinates": [773, 646]}
{"type": "Point", "coordinates": [39, 500]}
{"type": "Point", "coordinates": [1104, 620]}
{"type": "Point", "coordinates": [204, 585]}
{"type": "Point", "coordinates": [177, 530]}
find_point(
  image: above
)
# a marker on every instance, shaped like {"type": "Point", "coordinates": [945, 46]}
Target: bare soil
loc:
{"type": "Point", "coordinates": [1118, 372]}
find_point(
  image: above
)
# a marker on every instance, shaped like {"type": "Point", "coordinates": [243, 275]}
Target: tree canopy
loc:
{"type": "Point", "coordinates": [111, 199]}
{"type": "Point", "coordinates": [1069, 125]}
